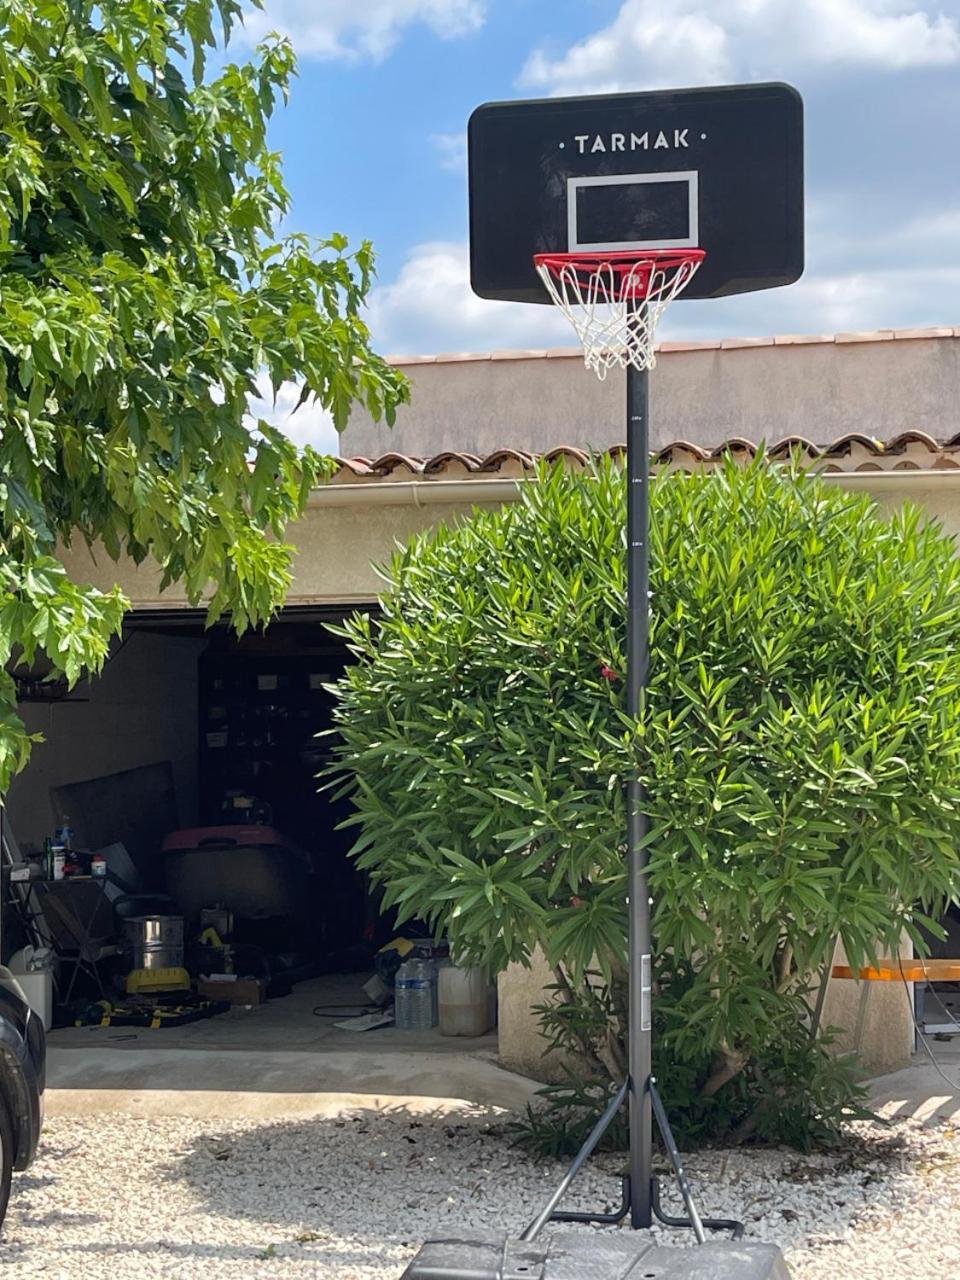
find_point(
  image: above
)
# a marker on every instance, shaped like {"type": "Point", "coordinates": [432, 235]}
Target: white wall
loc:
{"type": "Point", "coordinates": [142, 710]}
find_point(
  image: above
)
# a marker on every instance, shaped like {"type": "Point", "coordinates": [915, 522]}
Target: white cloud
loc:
{"type": "Point", "coordinates": [451, 150]}
{"type": "Point", "coordinates": [891, 296]}
{"type": "Point", "coordinates": [311, 424]}
{"type": "Point", "coordinates": [654, 43]}
{"type": "Point", "coordinates": [853, 283]}
{"type": "Point", "coordinates": [354, 29]}
{"type": "Point", "coordinates": [646, 46]}
{"type": "Point", "coordinates": [430, 307]}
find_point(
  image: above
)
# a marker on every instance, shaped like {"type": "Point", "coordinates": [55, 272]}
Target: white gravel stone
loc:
{"type": "Point", "coordinates": [350, 1199]}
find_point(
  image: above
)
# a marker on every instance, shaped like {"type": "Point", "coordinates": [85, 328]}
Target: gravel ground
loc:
{"type": "Point", "coordinates": [349, 1199]}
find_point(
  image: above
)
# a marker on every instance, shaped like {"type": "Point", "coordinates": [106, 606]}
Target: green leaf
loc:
{"type": "Point", "coordinates": [145, 294]}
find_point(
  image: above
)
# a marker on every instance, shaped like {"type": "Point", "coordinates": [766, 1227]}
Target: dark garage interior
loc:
{"type": "Point", "coordinates": [203, 868]}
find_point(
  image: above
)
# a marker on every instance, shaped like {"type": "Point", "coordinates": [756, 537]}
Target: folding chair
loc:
{"type": "Point", "coordinates": [81, 923]}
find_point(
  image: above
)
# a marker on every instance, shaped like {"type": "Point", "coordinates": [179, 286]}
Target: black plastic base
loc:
{"type": "Point", "coordinates": [607, 1255]}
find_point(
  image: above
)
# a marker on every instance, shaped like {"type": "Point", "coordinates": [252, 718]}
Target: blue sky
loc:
{"type": "Point", "coordinates": [373, 140]}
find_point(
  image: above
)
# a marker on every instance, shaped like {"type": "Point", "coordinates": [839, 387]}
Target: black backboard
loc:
{"type": "Point", "coordinates": [717, 168]}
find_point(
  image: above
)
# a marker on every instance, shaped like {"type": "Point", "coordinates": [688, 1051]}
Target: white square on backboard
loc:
{"type": "Point", "coordinates": [690, 241]}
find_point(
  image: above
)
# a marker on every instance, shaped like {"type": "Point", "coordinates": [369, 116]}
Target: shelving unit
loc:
{"type": "Point", "coordinates": [259, 716]}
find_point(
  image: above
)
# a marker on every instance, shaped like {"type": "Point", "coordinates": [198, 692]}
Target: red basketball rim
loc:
{"type": "Point", "coordinates": [634, 269]}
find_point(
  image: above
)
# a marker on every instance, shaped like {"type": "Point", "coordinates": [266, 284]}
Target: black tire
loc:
{"type": "Point", "coordinates": [6, 1158]}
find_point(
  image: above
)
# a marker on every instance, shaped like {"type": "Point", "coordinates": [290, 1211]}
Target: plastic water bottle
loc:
{"type": "Point", "coordinates": [415, 995]}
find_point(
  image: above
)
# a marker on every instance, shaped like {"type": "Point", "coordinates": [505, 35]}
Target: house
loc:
{"type": "Point", "coordinates": [879, 411]}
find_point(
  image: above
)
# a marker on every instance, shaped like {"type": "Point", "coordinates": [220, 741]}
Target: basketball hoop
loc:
{"type": "Point", "coordinates": [615, 300]}
{"type": "Point", "coordinates": [604, 178]}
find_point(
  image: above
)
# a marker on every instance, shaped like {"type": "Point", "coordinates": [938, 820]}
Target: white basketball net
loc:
{"type": "Point", "coordinates": [615, 301]}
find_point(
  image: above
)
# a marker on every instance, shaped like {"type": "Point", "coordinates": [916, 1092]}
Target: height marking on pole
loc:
{"type": "Point", "coordinates": [646, 992]}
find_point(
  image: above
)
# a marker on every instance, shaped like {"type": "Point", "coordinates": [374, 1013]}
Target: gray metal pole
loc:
{"type": "Point", "coordinates": [638, 603]}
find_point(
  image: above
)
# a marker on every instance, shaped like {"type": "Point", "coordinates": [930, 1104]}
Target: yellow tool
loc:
{"type": "Point", "coordinates": [210, 938]}
{"type": "Point", "coordinates": [144, 981]}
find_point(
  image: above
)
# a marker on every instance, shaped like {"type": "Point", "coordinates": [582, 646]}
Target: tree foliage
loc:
{"type": "Point", "coordinates": [799, 742]}
{"type": "Point", "coordinates": [143, 290]}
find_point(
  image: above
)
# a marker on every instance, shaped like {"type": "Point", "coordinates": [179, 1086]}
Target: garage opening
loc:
{"type": "Point", "coordinates": [173, 849]}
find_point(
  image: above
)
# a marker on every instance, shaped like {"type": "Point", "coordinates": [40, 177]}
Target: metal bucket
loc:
{"type": "Point", "coordinates": [153, 942]}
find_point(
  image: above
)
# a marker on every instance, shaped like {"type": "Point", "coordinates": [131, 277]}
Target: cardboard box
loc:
{"type": "Point", "coordinates": [239, 991]}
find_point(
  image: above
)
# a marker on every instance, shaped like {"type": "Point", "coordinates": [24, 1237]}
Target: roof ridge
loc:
{"type": "Point", "coordinates": [474, 464]}
{"type": "Point", "coordinates": [705, 344]}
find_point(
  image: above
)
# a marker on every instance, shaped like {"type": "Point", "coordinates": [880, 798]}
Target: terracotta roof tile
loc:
{"type": "Point", "coordinates": [878, 335]}
{"type": "Point", "coordinates": [906, 438]}
{"type": "Point", "coordinates": [735, 444]}
{"type": "Point", "coordinates": [843, 445]}
{"type": "Point", "coordinates": [710, 344]}
{"type": "Point", "coordinates": [790, 444]}
{"type": "Point", "coordinates": [671, 452]}
{"type": "Point", "coordinates": [356, 466]}
{"type": "Point", "coordinates": [519, 355]}
{"type": "Point", "coordinates": [801, 339]}
{"type": "Point", "coordinates": [734, 344]}
{"type": "Point", "coordinates": [569, 452]}
{"type": "Point", "coordinates": [440, 461]}
{"type": "Point", "coordinates": [854, 451]}
{"type": "Point", "coordinates": [387, 463]}
{"type": "Point", "coordinates": [942, 332]}
{"type": "Point", "coordinates": [494, 461]}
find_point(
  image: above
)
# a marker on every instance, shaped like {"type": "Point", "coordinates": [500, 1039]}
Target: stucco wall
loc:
{"type": "Point", "coordinates": [940, 503]}
{"type": "Point", "coordinates": [887, 1039]}
{"type": "Point", "coordinates": [337, 549]}
{"type": "Point", "coordinates": [759, 389]}
{"type": "Point", "coordinates": [520, 989]}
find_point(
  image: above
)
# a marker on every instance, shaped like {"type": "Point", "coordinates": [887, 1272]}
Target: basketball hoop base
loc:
{"type": "Point", "coordinates": [615, 300]}
{"type": "Point", "coordinates": [592, 1255]}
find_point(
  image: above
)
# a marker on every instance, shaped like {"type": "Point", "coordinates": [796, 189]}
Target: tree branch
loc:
{"type": "Point", "coordinates": [730, 1064]}
{"type": "Point", "coordinates": [785, 973]}
{"type": "Point", "coordinates": [571, 996]}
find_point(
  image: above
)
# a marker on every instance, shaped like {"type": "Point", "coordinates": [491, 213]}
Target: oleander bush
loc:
{"type": "Point", "coordinates": [799, 742]}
